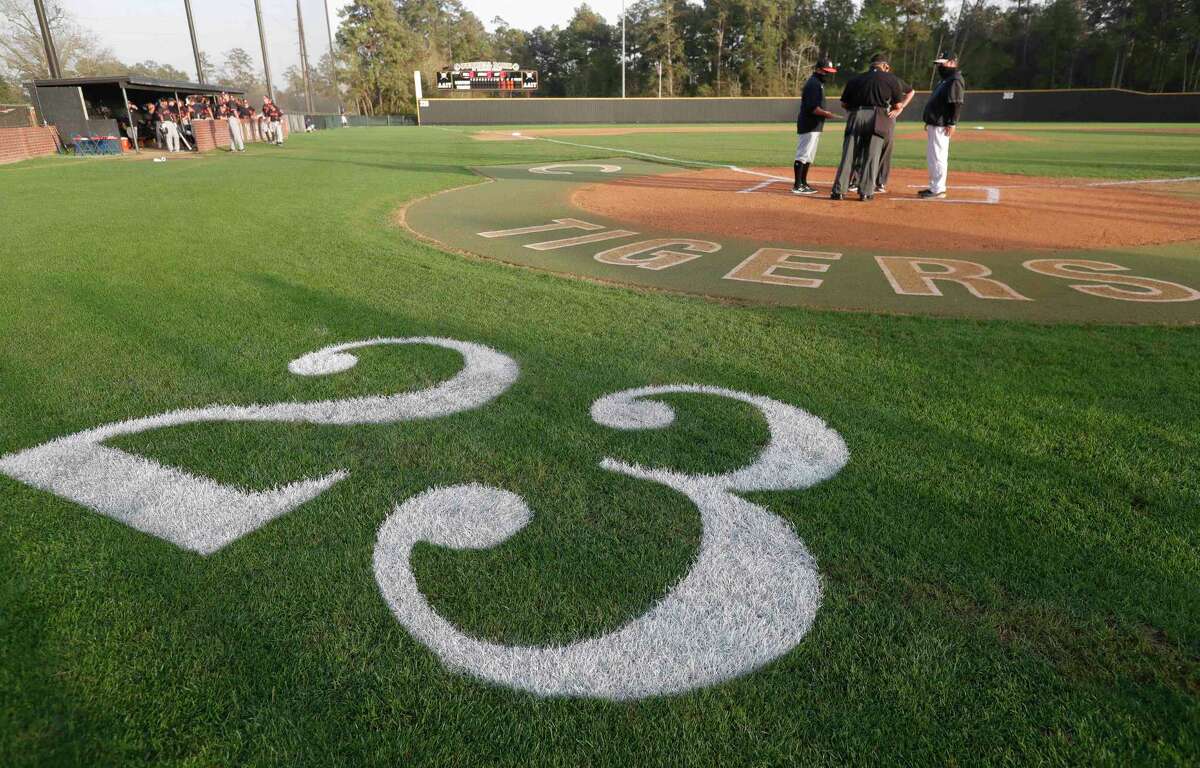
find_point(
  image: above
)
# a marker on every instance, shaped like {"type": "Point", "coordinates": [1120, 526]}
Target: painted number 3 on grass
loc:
{"type": "Point", "coordinates": [749, 597]}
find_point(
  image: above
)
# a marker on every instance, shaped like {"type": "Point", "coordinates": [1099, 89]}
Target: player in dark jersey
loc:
{"type": "Point", "coordinates": [942, 113]}
{"type": "Point", "coordinates": [810, 123]}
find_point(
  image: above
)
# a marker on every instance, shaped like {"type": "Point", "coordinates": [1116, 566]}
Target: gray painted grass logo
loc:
{"type": "Point", "coordinates": [750, 596]}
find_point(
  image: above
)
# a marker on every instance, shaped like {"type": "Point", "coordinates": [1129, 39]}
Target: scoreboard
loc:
{"type": "Point", "coordinates": [487, 80]}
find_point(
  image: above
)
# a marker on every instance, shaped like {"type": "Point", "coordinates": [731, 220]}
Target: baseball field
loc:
{"type": "Point", "coordinates": [570, 446]}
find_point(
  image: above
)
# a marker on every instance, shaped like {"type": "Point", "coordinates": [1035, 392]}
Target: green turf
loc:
{"type": "Point", "coordinates": [1108, 151]}
{"type": "Point", "coordinates": [1010, 559]}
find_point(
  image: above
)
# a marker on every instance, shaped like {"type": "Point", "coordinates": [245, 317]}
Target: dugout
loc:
{"type": "Point", "coordinates": [93, 106]}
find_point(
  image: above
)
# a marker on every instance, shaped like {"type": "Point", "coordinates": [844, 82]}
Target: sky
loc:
{"type": "Point", "coordinates": [157, 29]}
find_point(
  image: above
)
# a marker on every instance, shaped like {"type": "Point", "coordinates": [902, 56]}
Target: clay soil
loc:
{"type": "Point", "coordinates": [1032, 213]}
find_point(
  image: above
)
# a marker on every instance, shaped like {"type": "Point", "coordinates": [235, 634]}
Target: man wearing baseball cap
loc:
{"type": "Point", "coordinates": [810, 123]}
{"type": "Point", "coordinates": [942, 112]}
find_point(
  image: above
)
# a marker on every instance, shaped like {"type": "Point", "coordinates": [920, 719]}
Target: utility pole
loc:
{"type": "Point", "coordinates": [622, 49]}
{"type": "Point", "coordinates": [308, 104]}
{"type": "Point", "coordinates": [660, 78]}
{"type": "Point", "coordinates": [187, 6]}
{"type": "Point", "coordinates": [52, 64]}
{"type": "Point", "coordinates": [333, 78]}
{"type": "Point", "coordinates": [262, 40]}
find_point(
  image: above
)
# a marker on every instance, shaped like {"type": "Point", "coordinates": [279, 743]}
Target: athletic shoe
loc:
{"type": "Point", "coordinates": [853, 187]}
{"type": "Point", "coordinates": [804, 190]}
{"type": "Point", "coordinates": [866, 198]}
{"type": "Point", "coordinates": [835, 196]}
{"type": "Point", "coordinates": [929, 194]}
{"type": "Point", "coordinates": [881, 190]}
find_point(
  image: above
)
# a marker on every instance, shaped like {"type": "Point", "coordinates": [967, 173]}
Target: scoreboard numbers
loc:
{"type": "Point", "coordinates": [487, 80]}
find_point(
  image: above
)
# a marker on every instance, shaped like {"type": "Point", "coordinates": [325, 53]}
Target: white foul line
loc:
{"type": "Point", "coordinates": [993, 197]}
{"type": "Point", "coordinates": [758, 187]}
{"type": "Point", "coordinates": [663, 158]}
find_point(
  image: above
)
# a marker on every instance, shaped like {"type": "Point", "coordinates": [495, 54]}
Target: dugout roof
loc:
{"type": "Point", "coordinates": [137, 82]}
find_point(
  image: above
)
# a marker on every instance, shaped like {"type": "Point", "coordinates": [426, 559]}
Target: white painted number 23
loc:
{"type": "Point", "coordinates": [750, 596]}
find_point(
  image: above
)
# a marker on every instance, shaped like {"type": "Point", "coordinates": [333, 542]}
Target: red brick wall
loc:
{"type": "Point", "coordinates": [211, 134]}
{"type": "Point", "coordinates": [24, 143]}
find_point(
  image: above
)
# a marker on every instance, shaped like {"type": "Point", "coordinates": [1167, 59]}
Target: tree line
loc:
{"type": "Point", "coordinates": [767, 47]}
{"type": "Point", "coordinates": [81, 54]}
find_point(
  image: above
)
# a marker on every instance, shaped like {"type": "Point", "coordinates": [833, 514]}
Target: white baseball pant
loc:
{"type": "Point", "coordinates": [937, 155]}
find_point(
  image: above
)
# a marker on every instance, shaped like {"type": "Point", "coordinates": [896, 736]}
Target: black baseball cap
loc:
{"type": "Point", "coordinates": [826, 66]}
{"type": "Point", "coordinates": [945, 56]}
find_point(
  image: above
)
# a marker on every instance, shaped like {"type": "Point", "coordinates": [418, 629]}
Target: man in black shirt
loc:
{"type": "Point", "coordinates": [873, 101]}
{"type": "Point", "coordinates": [941, 120]}
{"type": "Point", "coordinates": [810, 123]}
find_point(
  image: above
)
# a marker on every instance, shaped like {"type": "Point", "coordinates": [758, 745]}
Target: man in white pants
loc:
{"type": "Point", "coordinates": [236, 143]}
{"type": "Point", "coordinates": [810, 123]}
{"type": "Point", "coordinates": [942, 113]}
{"type": "Point", "coordinates": [169, 129]}
{"type": "Point", "coordinates": [276, 117]}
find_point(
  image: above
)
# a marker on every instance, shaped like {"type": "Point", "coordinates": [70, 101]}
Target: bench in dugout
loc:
{"type": "Point", "coordinates": [96, 145]}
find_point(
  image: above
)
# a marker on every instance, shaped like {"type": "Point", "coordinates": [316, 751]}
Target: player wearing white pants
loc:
{"type": "Point", "coordinates": [170, 134]}
{"type": "Point", "coordinates": [937, 156]}
{"type": "Point", "coordinates": [809, 124]}
{"type": "Point", "coordinates": [806, 147]}
{"type": "Point", "coordinates": [237, 143]}
{"type": "Point", "coordinates": [942, 113]}
{"type": "Point", "coordinates": [275, 121]}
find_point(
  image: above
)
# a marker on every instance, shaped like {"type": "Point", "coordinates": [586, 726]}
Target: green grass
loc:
{"type": "Point", "coordinates": [1083, 150]}
{"type": "Point", "coordinates": [1010, 560]}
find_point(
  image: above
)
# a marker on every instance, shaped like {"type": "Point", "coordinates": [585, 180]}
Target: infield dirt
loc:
{"type": "Point", "coordinates": [1032, 213]}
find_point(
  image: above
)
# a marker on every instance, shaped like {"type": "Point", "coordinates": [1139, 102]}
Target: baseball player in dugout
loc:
{"type": "Point", "coordinates": [810, 123]}
{"type": "Point", "coordinates": [941, 120]}
{"type": "Point", "coordinates": [873, 101]}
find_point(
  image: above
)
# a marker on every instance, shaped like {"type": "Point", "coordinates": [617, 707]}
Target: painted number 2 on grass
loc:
{"type": "Point", "coordinates": [750, 596]}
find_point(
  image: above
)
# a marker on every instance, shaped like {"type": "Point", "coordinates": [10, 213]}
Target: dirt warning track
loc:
{"type": "Point", "coordinates": [1045, 250]}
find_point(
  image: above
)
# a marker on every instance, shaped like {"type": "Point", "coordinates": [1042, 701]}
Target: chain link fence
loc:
{"type": "Point", "coordinates": [17, 116]}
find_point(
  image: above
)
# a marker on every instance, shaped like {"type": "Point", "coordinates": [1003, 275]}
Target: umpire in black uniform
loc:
{"type": "Point", "coordinates": [872, 100]}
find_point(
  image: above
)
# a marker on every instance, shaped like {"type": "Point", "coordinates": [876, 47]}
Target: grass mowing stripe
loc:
{"type": "Point", "coordinates": [1009, 561]}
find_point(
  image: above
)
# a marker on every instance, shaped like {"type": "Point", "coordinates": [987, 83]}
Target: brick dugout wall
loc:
{"type": "Point", "coordinates": [23, 143]}
{"type": "Point", "coordinates": [213, 134]}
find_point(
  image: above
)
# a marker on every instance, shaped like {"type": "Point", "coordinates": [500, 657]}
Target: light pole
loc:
{"type": "Point", "coordinates": [622, 49]}
{"type": "Point", "coordinates": [262, 40]}
{"type": "Point", "coordinates": [333, 78]}
{"type": "Point", "coordinates": [187, 6]}
{"type": "Point", "coordinates": [47, 41]}
{"type": "Point", "coordinates": [308, 102]}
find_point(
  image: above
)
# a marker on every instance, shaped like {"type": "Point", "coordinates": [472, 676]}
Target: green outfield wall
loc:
{"type": "Point", "coordinates": [1108, 105]}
